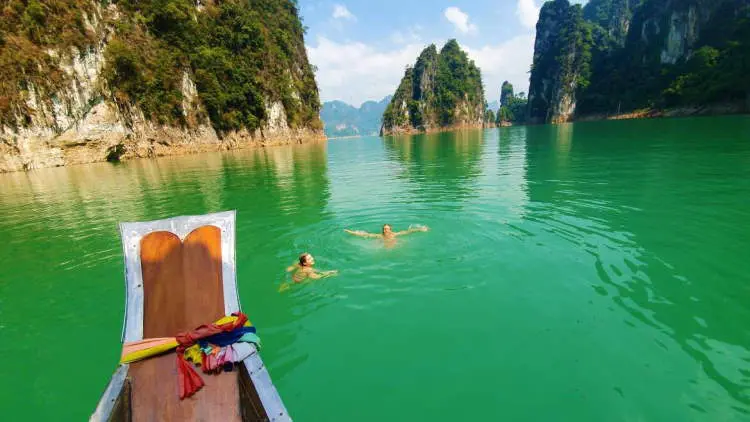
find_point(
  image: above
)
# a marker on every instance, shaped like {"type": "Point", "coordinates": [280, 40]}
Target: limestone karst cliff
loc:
{"type": "Point", "coordinates": [613, 56]}
{"type": "Point", "coordinates": [85, 81]}
{"type": "Point", "coordinates": [442, 90]}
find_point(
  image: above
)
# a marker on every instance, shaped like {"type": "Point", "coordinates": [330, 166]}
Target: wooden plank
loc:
{"type": "Point", "coordinates": [182, 286]}
{"type": "Point", "coordinates": [133, 233]}
{"type": "Point", "coordinates": [202, 275]}
{"type": "Point", "coordinates": [163, 287]}
{"type": "Point", "coordinates": [123, 412]}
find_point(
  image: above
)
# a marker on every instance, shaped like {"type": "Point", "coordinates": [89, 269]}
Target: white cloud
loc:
{"type": "Point", "coordinates": [356, 72]}
{"type": "Point", "coordinates": [509, 61]}
{"type": "Point", "coordinates": [410, 35]}
{"type": "Point", "coordinates": [528, 13]}
{"type": "Point", "coordinates": [460, 20]}
{"type": "Point", "coordinates": [341, 12]}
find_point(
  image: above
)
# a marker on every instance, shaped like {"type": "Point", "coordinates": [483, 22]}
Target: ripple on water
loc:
{"type": "Point", "coordinates": [542, 239]}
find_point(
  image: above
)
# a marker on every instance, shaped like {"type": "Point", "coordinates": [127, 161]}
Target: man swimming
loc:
{"type": "Point", "coordinates": [303, 269]}
{"type": "Point", "coordinates": [387, 234]}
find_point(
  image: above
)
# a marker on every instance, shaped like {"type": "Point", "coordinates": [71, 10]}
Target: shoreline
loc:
{"type": "Point", "coordinates": [348, 137]}
{"type": "Point", "coordinates": [428, 131]}
{"type": "Point", "coordinates": [720, 109]}
{"type": "Point", "coordinates": [71, 153]}
{"type": "Point", "coordinates": [62, 153]}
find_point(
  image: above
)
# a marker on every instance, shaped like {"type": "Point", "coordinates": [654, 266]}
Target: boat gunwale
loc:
{"type": "Point", "coordinates": [182, 226]}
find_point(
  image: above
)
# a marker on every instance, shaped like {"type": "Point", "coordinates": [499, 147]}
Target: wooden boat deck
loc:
{"type": "Point", "coordinates": [180, 273]}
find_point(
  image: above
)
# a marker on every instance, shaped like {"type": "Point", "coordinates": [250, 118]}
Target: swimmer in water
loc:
{"type": "Point", "coordinates": [388, 235]}
{"type": "Point", "coordinates": [303, 269]}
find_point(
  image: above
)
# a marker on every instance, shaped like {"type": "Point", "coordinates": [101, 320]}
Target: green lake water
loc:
{"type": "Point", "coordinates": [587, 272]}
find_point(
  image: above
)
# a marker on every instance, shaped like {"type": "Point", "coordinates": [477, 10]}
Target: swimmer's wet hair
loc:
{"type": "Point", "coordinates": [303, 258]}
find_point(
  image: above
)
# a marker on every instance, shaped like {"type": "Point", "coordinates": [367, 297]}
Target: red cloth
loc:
{"type": "Point", "coordinates": [189, 338]}
{"type": "Point", "coordinates": [189, 380]}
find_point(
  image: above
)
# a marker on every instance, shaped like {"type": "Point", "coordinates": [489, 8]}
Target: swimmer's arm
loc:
{"type": "Point", "coordinates": [412, 230]}
{"type": "Point", "coordinates": [361, 233]}
{"type": "Point", "coordinates": [292, 267]}
{"type": "Point", "coordinates": [317, 275]}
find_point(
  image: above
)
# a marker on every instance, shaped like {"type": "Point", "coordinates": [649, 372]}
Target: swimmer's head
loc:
{"type": "Point", "coordinates": [306, 260]}
{"type": "Point", "coordinates": [387, 229]}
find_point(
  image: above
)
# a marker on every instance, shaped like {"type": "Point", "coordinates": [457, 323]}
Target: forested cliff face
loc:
{"type": "Point", "coordinates": [84, 80]}
{"type": "Point", "coordinates": [442, 90]}
{"type": "Point", "coordinates": [622, 55]}
{"type": "Point", "coordinates": [512, 107]}
{"type": "Point", "coordinates": [561, 61]}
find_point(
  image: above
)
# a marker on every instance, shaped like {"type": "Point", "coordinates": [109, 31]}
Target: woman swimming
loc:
{"type": "Point", "coordinates": [303, 269]}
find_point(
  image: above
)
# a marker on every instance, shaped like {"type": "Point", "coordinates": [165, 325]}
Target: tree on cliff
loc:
{"type": "Point", "coordinates": [718, 71]}
{"type": "Point", "coordinates": [457, 79]}
{"type": "Point", "coordinates": [242, 54]}
{"type": "Point", "coordinates": [623, 55]}
{"type": "Point", "coordinates": [442, 89]}
{"type": "Point", "coordinates": [515, 109]}
{"type": "Point", "coordinates": [506, 94]}
{"type": "Point", "coordinates": [489, 116]}
{"type": "Point", "coordinates": [562, 56]}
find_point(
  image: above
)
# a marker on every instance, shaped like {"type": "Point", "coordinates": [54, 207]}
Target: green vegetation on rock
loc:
{"type": "Point", "coordinates": [243, 55]}
{"type": "Point", "coordinates": [513, 107]}
{"type": "Point", "coordinates": [622, 55]}
{"type": "Point", "coordinates": [489, 116]}
{"type": "Point", "coordinates": [506, 94]}
{"type": "Point", "coordinates": [440, 90]}
{"type": "Point", "coordinates": [28, 28]}
{"type": "Point", "coordinates": [561, 60]}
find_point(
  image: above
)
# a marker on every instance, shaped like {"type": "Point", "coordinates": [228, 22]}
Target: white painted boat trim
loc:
{"type": "Point", "coordinates": [132, 234]}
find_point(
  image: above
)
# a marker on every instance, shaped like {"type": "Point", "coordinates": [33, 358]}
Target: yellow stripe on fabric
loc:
{"type": "Point", "coordinates": [226, 319]}
{"type": "Point", "coordinates": [147, 353]}
{"type": "Point", "coordinates": [142, 349]}
{"type": "Point", "coordinates": [231, 318]}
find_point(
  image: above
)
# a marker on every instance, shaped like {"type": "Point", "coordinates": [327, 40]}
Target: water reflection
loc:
{"type": "Point", "coordinates": [641, 213]}
{"type": "Point", "coordinates": [293, 180]}
{"type": "Point", "coordinates": [598, 270]}
{"type": "Point", "coordinates": [511, 177]}
{"type": "Point", "coordinates": [442, 166]}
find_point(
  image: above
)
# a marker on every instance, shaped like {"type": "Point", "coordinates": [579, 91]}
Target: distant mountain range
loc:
{"type": "Point", "coordinates": [341, 119]}
{"type": "Point", "coordinates": [494, 106]}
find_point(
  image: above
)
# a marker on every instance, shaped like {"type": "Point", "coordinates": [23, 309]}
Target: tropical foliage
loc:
{"type": "Point", "coordinates": [28, 28]}
{"type": "Point", "coordinates": [489, 116]}
{"type": "Point", "coordinates": [435, 90]}
{"type": "Point", "coordinates": [242, 54]}
{"type": "Point", "coordinates": [514, 111]}
{"type": "Point", "coordinates": [563, 57]}
{"type": "Point", "coordinates": [611, 69]}
{"type": "Point", "coordinates": [458, 79]}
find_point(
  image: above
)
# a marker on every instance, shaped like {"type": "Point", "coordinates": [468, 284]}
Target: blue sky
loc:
{"type": "Point", "coordinates": [361, 47]}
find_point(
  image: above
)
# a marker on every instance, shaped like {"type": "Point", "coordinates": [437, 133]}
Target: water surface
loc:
{"type": "Point", "coordinates": [588, 272]}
